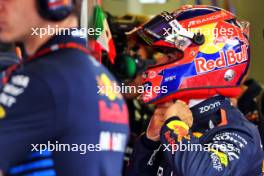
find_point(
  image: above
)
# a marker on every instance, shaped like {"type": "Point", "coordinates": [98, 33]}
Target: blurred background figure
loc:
{"type": "Point", "coordinates": [131, 61]}
{"type": "Point", "coordinates": [251, 104]}
{"type": "Point", "coordinates": [52, 98]}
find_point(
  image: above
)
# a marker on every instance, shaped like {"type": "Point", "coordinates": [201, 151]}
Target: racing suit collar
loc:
{"type": "Point", "coordinates": [206, 114]}
{"type": "Point", "coordinates": [58, 39]}
{"type": "Point", "coordinates": [72, 36]}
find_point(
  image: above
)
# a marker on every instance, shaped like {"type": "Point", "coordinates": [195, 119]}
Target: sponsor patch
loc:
{"type": "Point", "coordinates": [231, 58]}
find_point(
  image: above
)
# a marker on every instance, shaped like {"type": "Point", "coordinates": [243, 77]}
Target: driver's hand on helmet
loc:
{"type": "Point", "coordinates": [165, 111]}
{"type": "Point", "coordinates": [181, 110]}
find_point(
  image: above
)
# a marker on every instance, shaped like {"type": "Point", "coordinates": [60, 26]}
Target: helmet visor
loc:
{"type": "Point", "coordinates": [165, 30]}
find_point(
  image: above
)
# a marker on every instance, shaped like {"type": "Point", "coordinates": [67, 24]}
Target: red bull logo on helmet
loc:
{"type": "Point", "coordinates": [230, 58]}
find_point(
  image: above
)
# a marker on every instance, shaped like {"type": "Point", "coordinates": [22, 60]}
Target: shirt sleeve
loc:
{"type": "Point", "coordinates": [27, 112]}
{"type": "Point", "coordinates": [145, 158]}
{"type": "Point", "coordinates": [224, 151]}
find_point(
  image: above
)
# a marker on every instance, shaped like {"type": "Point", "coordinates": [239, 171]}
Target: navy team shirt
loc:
{"type": "Point", "coordinates": [56, 99]}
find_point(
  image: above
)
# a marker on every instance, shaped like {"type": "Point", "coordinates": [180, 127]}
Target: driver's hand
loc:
{"type": "Point", "coordinates": [181, 110]}
{"type": "Point", "coordinates": [156, 122]}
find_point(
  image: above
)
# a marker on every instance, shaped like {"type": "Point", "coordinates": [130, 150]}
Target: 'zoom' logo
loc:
{"type": "Point", "coordinates": [209, 107]}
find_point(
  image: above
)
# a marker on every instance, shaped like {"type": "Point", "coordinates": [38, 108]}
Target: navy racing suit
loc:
{"type": "Point", "coordinates": [55, 121]}
{"type": "Point", "coordinates": [221, 142]}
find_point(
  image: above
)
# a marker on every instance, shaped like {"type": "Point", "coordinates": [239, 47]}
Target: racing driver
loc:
{"type": "Point", "coordinates": [195, 130]}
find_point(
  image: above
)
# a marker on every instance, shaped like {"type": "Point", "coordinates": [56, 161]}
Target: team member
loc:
{"type": "Point", "coordinates": [250, 103]}
{"type": "Point", "coordinates": [53, 98]}
{"type": "Point", "coordinates": [206, 65]}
